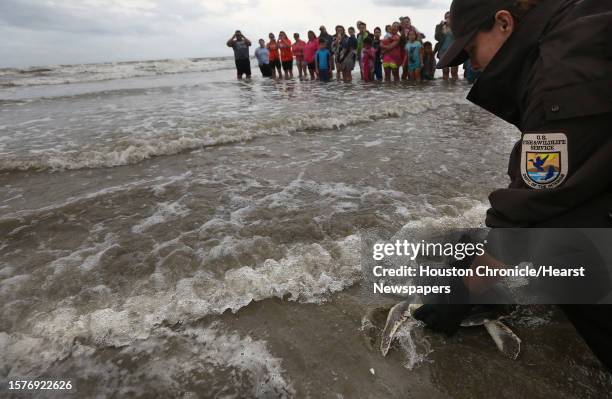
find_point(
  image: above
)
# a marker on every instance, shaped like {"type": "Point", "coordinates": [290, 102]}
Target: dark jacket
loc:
{"type": "Point", "coordinates": [439, 35]}
{"type": "Point", "coordinates": [553, 80]}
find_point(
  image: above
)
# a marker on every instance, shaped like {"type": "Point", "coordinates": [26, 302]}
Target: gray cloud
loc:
{"type": "Point", "coordinates": [44, 32]}
{"type": "Point", "coordinates": [37, 32]}
{"type": "Point", "coordinates": [110, 17]}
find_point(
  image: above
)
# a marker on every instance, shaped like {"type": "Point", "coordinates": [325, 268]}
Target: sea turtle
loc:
{"type": "Point", "coordinates": [488, 316]}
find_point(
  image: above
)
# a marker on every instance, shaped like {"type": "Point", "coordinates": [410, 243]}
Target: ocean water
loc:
{"type": "Point", "coordinates": [167, 231]}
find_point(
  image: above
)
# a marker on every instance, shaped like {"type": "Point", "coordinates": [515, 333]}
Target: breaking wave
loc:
{"type": "Point", "coordinates": [138, 147]}
{"type": "Point", "coordinates": [83, 73]}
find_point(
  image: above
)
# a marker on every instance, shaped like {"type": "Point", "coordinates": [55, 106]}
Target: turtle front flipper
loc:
{"type": "Point", "coordinates": [506, 340]}
{"type": "Point", "coordinates": [397, 315]}
{"type": "Point", "coordinates": [372, 324]}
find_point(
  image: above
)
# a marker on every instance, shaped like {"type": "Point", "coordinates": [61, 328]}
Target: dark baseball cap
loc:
{"type": "Point", "coordinates": [467, 18]}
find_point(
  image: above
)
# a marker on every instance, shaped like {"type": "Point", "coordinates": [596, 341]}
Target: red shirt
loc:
{"type": "Point", "coordinates": [298, 49]}
{"type": "Point", "coordinates": [285, 50]}
{"type": "Point", "coordinates": [310, 50]}
{"type": "Point", "coordinates": [273, 48]}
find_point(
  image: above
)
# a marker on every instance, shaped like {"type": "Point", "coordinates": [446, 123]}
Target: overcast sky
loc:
{"type": "Point", "coordinates": [47, 32]}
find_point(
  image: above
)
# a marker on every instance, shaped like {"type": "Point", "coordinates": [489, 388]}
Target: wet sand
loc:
{"type": "Point", "coordinates": [333, 359]}
{"type": "Point", "coordinates": [325, 355]}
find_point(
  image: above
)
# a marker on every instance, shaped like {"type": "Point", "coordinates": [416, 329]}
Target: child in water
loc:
{"type": "Point", "coordinates": [429, 62]}
{"type": "Point", "coordinates": [414, 51]}
{"type": "Point", "coordinates": [391, 53]}
{"type": "Point", "coordinates": [368, 59]}
{"type": "Point", "coordinates": [387, 32]}
{"type": "Point", "coordinates": [323, 61]}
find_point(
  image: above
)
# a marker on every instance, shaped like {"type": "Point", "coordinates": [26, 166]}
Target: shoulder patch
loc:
{"type": "Point", "coordinates": [544, 159]}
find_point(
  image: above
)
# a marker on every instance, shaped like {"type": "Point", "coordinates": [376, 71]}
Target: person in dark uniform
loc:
{"type": "Point", "coordinates": [547, 69]}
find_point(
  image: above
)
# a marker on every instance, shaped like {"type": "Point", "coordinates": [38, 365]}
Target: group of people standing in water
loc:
{"type": "Point", "coordinates": [401, 53]}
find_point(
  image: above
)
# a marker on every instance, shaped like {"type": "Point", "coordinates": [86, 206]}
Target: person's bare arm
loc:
{"type": "Point", "coordinates": [247, 41]}
{"type": "Point", "coordinates": [390, 46]}
{"type": "Point", "coordinates": [230, 42]}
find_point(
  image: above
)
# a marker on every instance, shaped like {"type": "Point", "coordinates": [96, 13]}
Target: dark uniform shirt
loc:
{"type": "Point", "coordinates": [553, 80]}
{"type": "Point", "coordinates": [241, 49]}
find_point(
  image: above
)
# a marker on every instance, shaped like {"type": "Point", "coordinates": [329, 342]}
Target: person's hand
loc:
{"type": "Point", "coordinates": [442, 318]}
{"type": "Point", "coordinates": [446, 315]}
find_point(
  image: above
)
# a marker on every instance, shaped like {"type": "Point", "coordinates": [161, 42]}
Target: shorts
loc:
{"type": "Point", "coordinates": [414, 67]}
{"type": "Point", "coordinates": [324, 75]}
{"type": "Point", "coordinates": [348, 64]}
{"type": "Point", "coordinates": [312, 66]}
{"type": "Point", "coordinates": [391, 65]}
{"type": "Point", "coordinates": [275, 64]}
{"type": "Point", "coordinates": [287, 65]}
{"type": "Point", "coordinates": [243, 67]}
{"type": "Point", "coordinates": [266, 71]}
{"type": "Point", "coordinates": [300, 61]}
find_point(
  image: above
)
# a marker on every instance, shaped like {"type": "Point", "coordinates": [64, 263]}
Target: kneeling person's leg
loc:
{"type": "Point", "coordinates": [594, 323]}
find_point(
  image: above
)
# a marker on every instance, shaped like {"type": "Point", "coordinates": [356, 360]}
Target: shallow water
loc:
{"type": "Point", "coordinates": [183, 234]}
